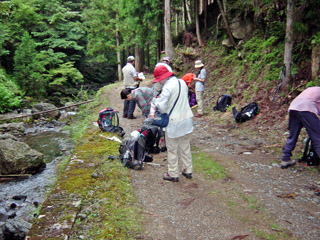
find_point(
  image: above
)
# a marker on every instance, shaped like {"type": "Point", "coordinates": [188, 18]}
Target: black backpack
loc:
{"type": "Point", "coordinates": [246, 113]}
{"type": "Point", "coordinates": [309, 155]}
{"type": "Point", "coordinates": [153, 135]}
{"type": "Point", "coordinates": [108, 121]}
{"type": "Point", "coordinates": [223, 102]}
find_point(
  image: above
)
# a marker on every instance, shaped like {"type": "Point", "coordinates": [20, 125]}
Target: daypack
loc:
{"type": "Point", "coordinates": [134, 150]}
{"type": "Point", "coordinates": [246, 113]}
{"type": "Point", "coordinates": [108, 121]}
{"type": "Point", "coordinates": [154, 136]}
{"type": "Point", "coordinates": [223, 102]}
{"type": "Point", "coordinates": [309, 155]}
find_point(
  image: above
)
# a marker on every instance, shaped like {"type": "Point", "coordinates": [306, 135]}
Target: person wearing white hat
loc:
{"type": "Point", "coordinates": [200, 79]}
{"type": "Point", "coordinates": [131, 81]}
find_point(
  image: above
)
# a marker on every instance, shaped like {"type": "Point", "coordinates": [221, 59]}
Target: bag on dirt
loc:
{"type": "Point", "coordinates": [154, 139]}
{"type": "Point", "coordinates": [246, 113]}
{"type": "Point", "coordinates": [108, 121]}
{"type": "Point", "coordinates": [223, 102]}
{"type": "Point", "coordinates": [133, 152]}
{"type": "Point", "coordinates": [309, 155]}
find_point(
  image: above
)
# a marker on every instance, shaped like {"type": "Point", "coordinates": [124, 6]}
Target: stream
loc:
{"type": "Point", "coordinates": [20, 200]}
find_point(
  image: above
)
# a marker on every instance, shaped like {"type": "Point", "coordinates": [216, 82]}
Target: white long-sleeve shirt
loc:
{"type": "Point", "coordinates": [180, 120]}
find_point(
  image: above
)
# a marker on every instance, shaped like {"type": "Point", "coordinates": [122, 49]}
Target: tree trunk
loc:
{"type": "Point", "coordinates": [138, 58]}
{"type": "Point", "coordinates": [188, 11]}
{"type": "Point", "coordinates": [288, 47]}
{"type": "Point", "coordinates": [118, 56]}
{"type": "Point", "coordinates": [226, 24]}
{"type": "Point", "coordinates": [176, 24]}
{"type": "Point", "coordinates": [167, 30]}
{"type": "Point", "coordinates": [315, 64]}
{"type": "Point", "coordinates": [205, 15]}
{"type": "Point", "coordinates": [197, 23]}
{"type": "Point", "coordinates": [184, 15]}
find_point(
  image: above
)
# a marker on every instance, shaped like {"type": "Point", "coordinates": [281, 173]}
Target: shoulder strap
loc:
{"type": "Point", "coordinates": [176, 99]}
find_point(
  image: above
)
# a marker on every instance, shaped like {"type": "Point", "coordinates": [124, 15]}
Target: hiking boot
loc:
{"type": "Point", "coordinates": [286, 164]}
{"type": "Point", "coordinates": [187, 175]}
{"type": "Point", "coordinates": [167, 177]}
{"type": "Point", "coordinates": [132, 117]}
{"type": "Point", "coordinates": [124, 115]}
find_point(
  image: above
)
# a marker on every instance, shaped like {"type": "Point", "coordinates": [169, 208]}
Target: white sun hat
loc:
{"type": "Point", "coordinates": [198, 64]}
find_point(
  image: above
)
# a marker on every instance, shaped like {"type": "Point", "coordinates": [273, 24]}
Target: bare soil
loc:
{"type": "Point", "coordinates": [257, 199]}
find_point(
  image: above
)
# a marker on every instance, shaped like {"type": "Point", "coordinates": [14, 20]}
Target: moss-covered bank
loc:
{"type": "Point", "coordinates": [93, 197]}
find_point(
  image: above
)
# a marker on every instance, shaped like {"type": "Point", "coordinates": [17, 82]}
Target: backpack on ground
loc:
{"type": "Point", "coordinates": [132, 153]}
{"type": "Point", "coordinates": [154, 138]}
{"type": "Point", "coordinates": [309, 155]}
{"type": "Point", "coordinates": [134, 150]}
{"type": "Point", "coordinates": [223, 102]}
{"type": "Point", "coordinates": [108, 121]}
{"type": "Point", "coordinates": [246, 113]}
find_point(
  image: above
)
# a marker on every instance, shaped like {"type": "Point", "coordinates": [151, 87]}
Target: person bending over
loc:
{"type": "Point", "coordinates": [304, 111]}
{"type": "Point", "coordinates": [142, 96]}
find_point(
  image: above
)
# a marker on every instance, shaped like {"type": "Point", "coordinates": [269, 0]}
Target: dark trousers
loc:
{"type": "Point", "coordinates": [128, 107]}
{"type": "Point", "coordinates": [297, 120]}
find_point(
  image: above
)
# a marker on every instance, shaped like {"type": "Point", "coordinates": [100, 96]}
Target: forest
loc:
{"type": "Point", "coordinates": [59, 50]}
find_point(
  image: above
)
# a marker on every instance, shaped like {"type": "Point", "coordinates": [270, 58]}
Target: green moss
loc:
{"type": "Point", "coordinates": [204, 163]}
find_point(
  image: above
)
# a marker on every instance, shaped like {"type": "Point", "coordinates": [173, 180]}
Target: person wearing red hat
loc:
{"type": "Point", "coordinates": [174, 98]}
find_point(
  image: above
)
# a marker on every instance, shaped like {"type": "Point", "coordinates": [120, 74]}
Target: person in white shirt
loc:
{"type": "Point", "coordinates": [130, 81]}
{"type": "Point", "coordinates": [180, 125]}
{"type": "Point", "coordinates": [199, 85]}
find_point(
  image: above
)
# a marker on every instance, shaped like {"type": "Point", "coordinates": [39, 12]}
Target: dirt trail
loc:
{"type": "Point", "coordinates": [257, 200]}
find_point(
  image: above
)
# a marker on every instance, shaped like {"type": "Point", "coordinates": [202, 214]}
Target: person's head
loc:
{"type": "Point", "coordinates": [130, 59]}
{"type": "Point", "coordinates": [161, 73]}
{"type": "Point", "coordinates": [126, 94]}
{"type": "Point", "coordinates": [166, 60]}
{"type": "Point", "coordinates": [198, 64]}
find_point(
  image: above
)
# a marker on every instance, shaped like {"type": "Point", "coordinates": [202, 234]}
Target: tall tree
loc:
{"type": "Point", "coordinates": [167, 29]}
{"type": "Point", "coordinates": [288, 46]}
{"type": "Point", "coordinates": [200, 42]}
{"type": "Point", "coordinates": [226, 23]}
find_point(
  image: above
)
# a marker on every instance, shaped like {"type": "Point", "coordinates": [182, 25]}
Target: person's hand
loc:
{"type": "Point", "coordinates": [151, 116]}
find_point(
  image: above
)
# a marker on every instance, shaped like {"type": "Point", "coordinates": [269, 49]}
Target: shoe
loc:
{"type": "Point", "coordinates": [132, 117]}
{"type": "Point", "coordinates": [187, 175]}
{"type": "Point", "coordinates": [124, 115]}
{"type": "Point", "coordinates": [167, 177]}
{"type": "Point", "coordinates": [198, 115]}
{"type": "Point", "coordinates": [286, 164]}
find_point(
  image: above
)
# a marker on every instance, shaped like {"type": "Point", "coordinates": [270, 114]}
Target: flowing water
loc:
{"type": "Point", "coordinates": [21, 199]}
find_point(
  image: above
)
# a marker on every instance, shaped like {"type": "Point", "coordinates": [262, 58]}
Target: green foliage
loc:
{"type": "Point", "coordinates": [28, 70]}
{"type": "Point", "coordinates": [260, 54]}
{"type": "Point", "coordinates": [9, 98]}
{"type": "Point", "coordinates": [315, 40]}
{"type": "Point", "coordinates": [65, 73]}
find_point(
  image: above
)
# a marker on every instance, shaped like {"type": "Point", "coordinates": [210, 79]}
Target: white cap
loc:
{"type": "Point", "coordinates": [130, 58]}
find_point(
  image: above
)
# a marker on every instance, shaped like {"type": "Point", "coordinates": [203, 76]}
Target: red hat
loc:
{"type": "Point", "coordinates": [161, 72]}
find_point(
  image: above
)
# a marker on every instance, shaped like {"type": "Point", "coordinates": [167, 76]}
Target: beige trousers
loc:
{"type": "Point", "coordinates": [199, 97]}
{"type": "Point", "coordinates": [178, 149]}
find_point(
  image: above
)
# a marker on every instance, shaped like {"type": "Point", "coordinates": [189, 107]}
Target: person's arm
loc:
{"type": "Point", "coordinates": [160, 103]}
{"type": "Point", "coordinates": [202, 76]}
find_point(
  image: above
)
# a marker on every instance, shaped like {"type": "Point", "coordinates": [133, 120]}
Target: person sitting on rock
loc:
{"type": "Point", "coordinates": [143, 97]}
{"type": "Point", "coordinates": [304, 111]}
